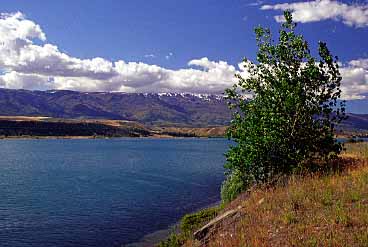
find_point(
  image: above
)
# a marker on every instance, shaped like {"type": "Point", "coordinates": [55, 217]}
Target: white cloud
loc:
{"type": "Point", "coordinates": [27, 65]}
{"type": "Point", "coordinates": [311, 11]}
{"type": "Point", "coordinates": [360, 63]}
{"type": "Point", "coordinates": [355, 79]}
{"type": "Point", "coordinates": [17, 80]}
{"type": "Point", "coordinates": [14, 26]}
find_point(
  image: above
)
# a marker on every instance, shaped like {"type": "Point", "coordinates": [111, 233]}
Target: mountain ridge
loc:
{"type": "Point", "coordinates": [150, 109]}
{"type": "Point", "coordinates": [182, 109]}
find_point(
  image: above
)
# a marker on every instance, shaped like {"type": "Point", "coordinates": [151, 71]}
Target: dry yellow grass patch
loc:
{"type": "Point", "coordinates": [318, 210]}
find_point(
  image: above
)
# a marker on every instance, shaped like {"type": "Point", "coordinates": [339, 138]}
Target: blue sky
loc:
{"type": "Point", "coordinates": [162, 37]}
{"type": "Point", "coordinates": [130, 29]}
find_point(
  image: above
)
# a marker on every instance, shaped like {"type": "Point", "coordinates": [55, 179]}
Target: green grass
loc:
{"type": "Point", "coordinates": [188, 224]}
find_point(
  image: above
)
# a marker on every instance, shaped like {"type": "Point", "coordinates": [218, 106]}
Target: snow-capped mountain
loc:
{"type": "Point", "coordinates": [149, 108]}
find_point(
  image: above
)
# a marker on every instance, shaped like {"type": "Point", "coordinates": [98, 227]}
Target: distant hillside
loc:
{"type": "Point", "coordinates": [356, 122]}
{"type": "Point", "coordinates": [162, 109]}
{"type": "Point", "coordinates": [150, 109]}
{"type": "Point", "coordinates": [50, 127]}
{"type": "Point", "coordinates": [44, 127]}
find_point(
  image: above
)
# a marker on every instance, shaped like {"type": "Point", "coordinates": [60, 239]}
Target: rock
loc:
{"type": "Point", "coordinates": [261, 201]}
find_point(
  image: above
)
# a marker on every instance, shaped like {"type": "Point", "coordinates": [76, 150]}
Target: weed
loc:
{"type": "Point", "coordinates": [289, 218]}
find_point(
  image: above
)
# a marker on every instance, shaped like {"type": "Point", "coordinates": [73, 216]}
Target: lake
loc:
{"type": "Point", "coordinates": [103, 192]}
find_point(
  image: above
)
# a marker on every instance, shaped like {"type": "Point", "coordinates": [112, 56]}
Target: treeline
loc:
{"type": "Point", "coordinates": [178, 134]}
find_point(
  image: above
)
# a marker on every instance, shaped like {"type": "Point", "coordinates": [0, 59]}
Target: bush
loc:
{"type": "Point", "coordinates": [288, 123]}
{"type": "Point", "coordinates": [232, 186]}
{"type": "Point", "coordinates": [188, 224]}
{"type": "Point", "coordinates": [174, 240]}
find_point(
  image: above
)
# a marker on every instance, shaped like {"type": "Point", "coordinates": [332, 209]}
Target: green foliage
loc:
{"type": "Point", "coordinates": [174, 240]}
{"type": "Point", "coordinates": [289, 121]}
{"type": "Point", "coordinates": [191, 222]}
{"type": "Point", "coordinates": [232, 186]}
{"type": "Point", "coordinates": [188, 224]}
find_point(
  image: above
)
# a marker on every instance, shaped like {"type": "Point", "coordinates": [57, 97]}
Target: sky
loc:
{"type": "Point", "coordinates": [192, 46]}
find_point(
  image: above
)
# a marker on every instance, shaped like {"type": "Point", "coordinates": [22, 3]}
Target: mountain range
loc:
{"type": "Point", "coordinates": [150, 109]}
{"type": "Point", "coordinates": [162, 109]}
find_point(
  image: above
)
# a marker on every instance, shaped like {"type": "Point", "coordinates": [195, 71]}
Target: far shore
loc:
{"type": "Point", "coordinates": [155, 136]}
{"type": "Point", "coordinates": [101, 137]}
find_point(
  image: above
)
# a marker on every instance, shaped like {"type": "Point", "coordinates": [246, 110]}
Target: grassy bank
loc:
{"type": "Point", "coordinates": [315, 210]}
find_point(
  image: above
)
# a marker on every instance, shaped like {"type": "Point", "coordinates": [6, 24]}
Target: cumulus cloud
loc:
{"type": "Point", "coordinates": [355, 79]}
{"type": "Point", "coordinates": [25, 64]}
{"type": "Point", "coordinates": [32, 66]}
{"type": "Point", "coordinates": [363, 63]}
{"type": "Point", "coordinates": [17, 80]}
{"type": "Point", "coordinates": [311, 11]}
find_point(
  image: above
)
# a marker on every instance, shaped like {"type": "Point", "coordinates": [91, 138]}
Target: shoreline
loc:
{"type": "Point", "coordinates": [102, 137]}
{"type": "Point", "coordinates": [154, 238]}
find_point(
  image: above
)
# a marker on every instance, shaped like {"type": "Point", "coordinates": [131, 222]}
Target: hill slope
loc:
{"type": "Point", "coordinates": [157, 109]}
{"type": "Point", "coordinates": [316, 210]}
{"type": "Point", "coordinates": [45, 127]}
{"type": "Point", "coordinates": [166, 109]}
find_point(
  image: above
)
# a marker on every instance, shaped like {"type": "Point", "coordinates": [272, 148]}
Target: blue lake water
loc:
{"type": "Point", "coordinates": [103, 192]}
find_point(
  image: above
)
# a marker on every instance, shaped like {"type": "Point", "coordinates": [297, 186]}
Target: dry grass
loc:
{"type": "Point", "coordinates": [200, 132]}
{"type": "Point", "coordinates": [23, 118]}
{"type": "Point", "coordinates": [356, 150]}
{"type": "Point", "coordinates": [318, 210]}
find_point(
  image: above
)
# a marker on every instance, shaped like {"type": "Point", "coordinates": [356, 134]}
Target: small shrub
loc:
{"type": "Point", "coordinates": [189, 223]}
{"type": "Point", "coordinates": [289, 218]}
{"type": "Point", "coordinates": [312, 242]}
{"type": "Point", "coordinates": [364, 178]}
{"type": "Point", "coordinates": [232, 187]}
{"type": "Point", "coordinates": [354, 196]}
{"type": "Point", "coordinates": [174, 240]}
{"type": "Point", "coordinates": [327, 198]}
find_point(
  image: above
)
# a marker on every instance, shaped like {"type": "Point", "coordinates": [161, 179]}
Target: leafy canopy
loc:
{"type": "Point", "coordinates": [289, 121]}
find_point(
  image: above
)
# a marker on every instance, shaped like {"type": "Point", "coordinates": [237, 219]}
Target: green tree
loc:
{"type": "Point", "coordinates": [288, 123]}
